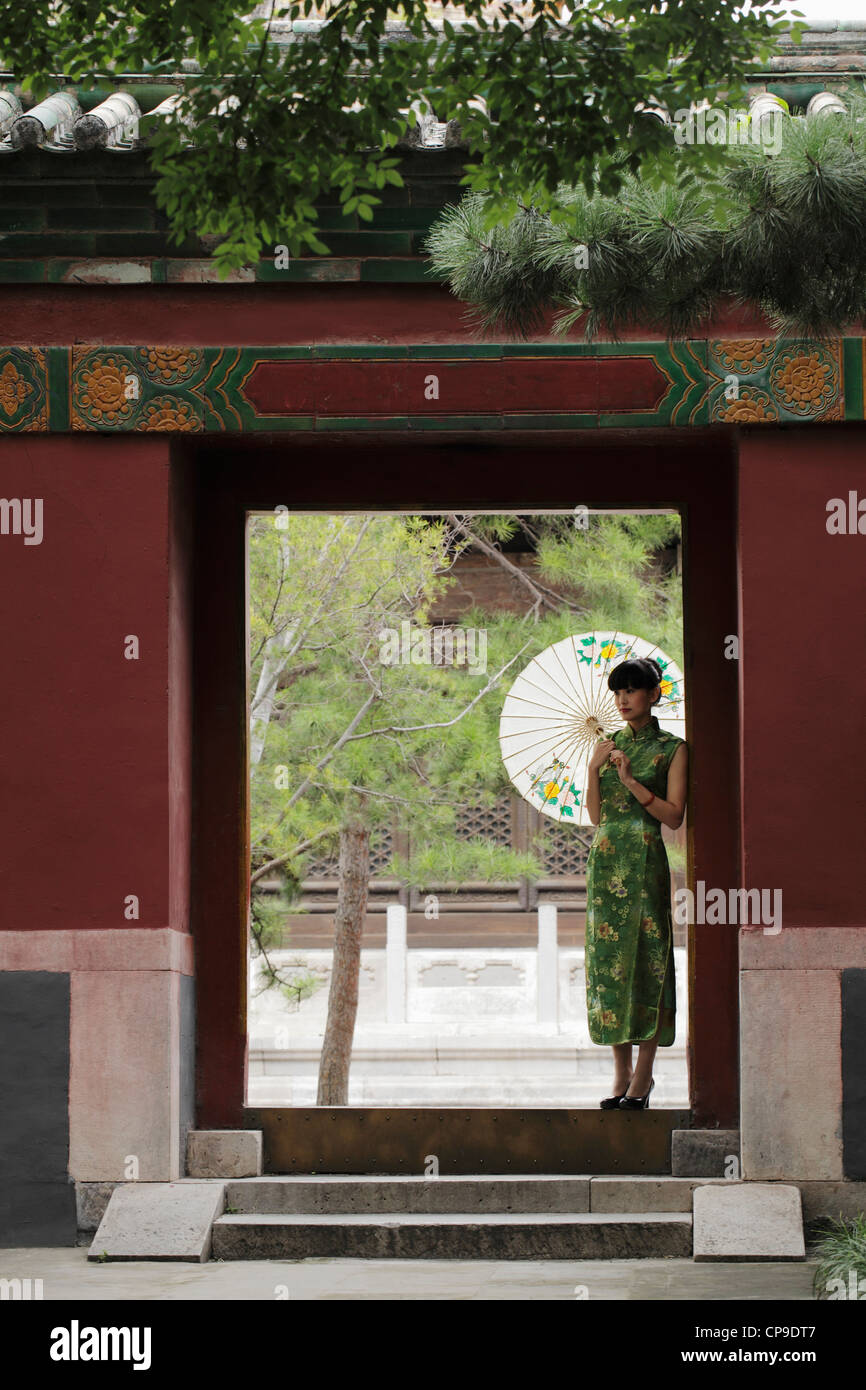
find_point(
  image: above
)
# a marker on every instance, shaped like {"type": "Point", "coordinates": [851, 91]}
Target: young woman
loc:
{"type": "Point", "coordinates": [636, 784]}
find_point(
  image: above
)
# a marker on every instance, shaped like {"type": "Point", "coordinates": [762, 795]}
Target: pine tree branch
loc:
{"type": "Point", "coordinates": [540, 592]}
{"type": "Point", "coordinates": [444, 723]}
{"type": "Point", "coordinates": [330, 755]}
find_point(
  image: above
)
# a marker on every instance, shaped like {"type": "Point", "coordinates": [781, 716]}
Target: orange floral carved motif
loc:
{"type": "Point", "coordinates": [13, 388]}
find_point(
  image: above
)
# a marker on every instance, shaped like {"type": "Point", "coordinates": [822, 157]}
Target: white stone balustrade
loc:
{"type": "Point", "coordinates": [395, 964]}
{"type": "Point", "coordinates": [548, 965]}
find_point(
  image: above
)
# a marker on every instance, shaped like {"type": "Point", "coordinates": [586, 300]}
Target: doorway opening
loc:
{"type": "Point", "coordinates": [382, 648]}
{"type": "Point", "coordinates": [691, 473]}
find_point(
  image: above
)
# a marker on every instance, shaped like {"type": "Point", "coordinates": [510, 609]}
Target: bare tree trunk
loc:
{"type": "Point", "coordinates": [343, 994]}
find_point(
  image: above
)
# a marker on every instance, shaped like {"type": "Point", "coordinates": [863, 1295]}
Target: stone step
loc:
{"type": "Point", "coordinates": [394, 1195]}
{"type": "Point", "coordinates": [454, 1235]}
{"type": "Point", "coordinates": [376, 1195]}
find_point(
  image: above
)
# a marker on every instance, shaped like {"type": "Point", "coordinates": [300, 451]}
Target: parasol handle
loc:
{"type": "Point", "coordinates": [601, 734]}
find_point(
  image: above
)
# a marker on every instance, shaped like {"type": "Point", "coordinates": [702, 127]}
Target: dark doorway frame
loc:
{"type": "Point", "coordinates": [692, 470]}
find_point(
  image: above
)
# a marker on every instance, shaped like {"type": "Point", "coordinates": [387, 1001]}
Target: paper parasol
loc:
{"type": "Point", "coordinates": [558, 708]}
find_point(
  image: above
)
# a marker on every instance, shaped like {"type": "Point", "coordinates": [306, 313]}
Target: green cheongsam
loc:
{"type": "Point", "coordinates": [629, 936]}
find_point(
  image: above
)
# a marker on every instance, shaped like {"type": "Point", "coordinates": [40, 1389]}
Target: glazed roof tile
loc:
{"type": "Point", "coordinates": [72, 120]}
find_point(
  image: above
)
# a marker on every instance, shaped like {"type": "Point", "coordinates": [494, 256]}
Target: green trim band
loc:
{"type": "Point", "coordinates": [459, 386]}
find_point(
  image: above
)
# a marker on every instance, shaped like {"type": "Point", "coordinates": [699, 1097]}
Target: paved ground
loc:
{"type": "Point", "coordinates": [67, 1274]}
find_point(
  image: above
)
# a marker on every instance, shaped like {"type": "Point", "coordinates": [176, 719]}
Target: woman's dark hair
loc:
{"type": "Point", "coordinates": [640, 672]}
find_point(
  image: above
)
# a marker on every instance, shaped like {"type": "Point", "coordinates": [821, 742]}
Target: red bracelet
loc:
{"type": "Point", "coordinates": [652, 798]}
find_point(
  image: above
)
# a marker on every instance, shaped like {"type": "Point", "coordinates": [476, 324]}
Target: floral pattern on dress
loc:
{"type": "Point", "coordinates": [630, 983]}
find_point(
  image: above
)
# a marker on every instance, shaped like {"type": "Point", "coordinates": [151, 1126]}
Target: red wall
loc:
{"type": "Point", "coordinates": [272, 315]}
{"type": "Point", "coordinates": [91, 811]}
{"type": "Point", "coordinates": [803, 673]}
{"type": "Point", "coordinates": [89, 814]}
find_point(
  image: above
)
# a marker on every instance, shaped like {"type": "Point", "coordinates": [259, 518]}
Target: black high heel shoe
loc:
{"type": "Point", "coordinates": [612, 1102]}
{"type": "Point", "coordinates": [636, 1102]}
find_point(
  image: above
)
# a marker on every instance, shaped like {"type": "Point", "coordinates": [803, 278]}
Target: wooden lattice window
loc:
{"type": "Point", "coordinates": [381, 852]}
{"type": "Point", "coordinates": [564, 848]}
{"type": "Point", "coordinates": [492, 822]}
{"type": "Point", "coordinates": [510, 822]}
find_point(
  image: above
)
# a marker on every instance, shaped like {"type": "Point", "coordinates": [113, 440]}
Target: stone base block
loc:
{"type": "Point", "coordinates": [823, 1199]}
{"type": "Point", "coordinates": [36, 1213]}
{"type": "Point", "coordinates": [705, 1153]}
{"type": "Point", "coordinates": [790, 1065]}
{"type": "Point", "coordinates": [159, 1221]}
{"type": "Point", "coordinates": [91, 1200]}
{"type": "Point", "coordinates": [224, 1153]}
{"type": "Point", "coordinates": [748, 1221]}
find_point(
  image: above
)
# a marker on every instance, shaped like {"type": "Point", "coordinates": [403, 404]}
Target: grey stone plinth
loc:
{"type": "Point", "coordinates": [791, 1078]}
{"type": "Point", "coordinates": [159, 1221]}
{"type": "Point", "coordinates": [831, 1199]}
{"type": "Point", "coordinates": [224, 1153]}
{"type": "Point", "coordinates": [37, 1213]}
{"type": "Point", "coordinates": [91, 1200]}
{"type": "Point", "coordinates": [704, 1153]}
{"type": "Point", "coordinates": [748, 1221]}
